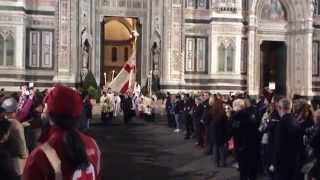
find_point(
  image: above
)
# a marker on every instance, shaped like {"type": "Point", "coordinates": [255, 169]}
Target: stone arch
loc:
{"type": "Point", "coordinates": [122, 21]}
{"type": "Point", "coordinates": [296, 9]}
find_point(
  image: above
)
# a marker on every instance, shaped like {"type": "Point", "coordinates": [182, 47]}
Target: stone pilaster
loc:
{"type": "Point", "coordinates": [253, 76]}
{"type": "Point", "coordinates": [64, 45]}
{"type": "Point", "coordinates": [177, 55]}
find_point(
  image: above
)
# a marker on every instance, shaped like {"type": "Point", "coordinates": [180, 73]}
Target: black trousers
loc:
{"type": "Point", "coordinates": [201, 130]}
{"type": "Point", "coordinates": [248, 164]}
{"type": "Point", "coordinates": [127, 118]}
{"type": "Point", "coordinates": [220, 154]}
{"type": "Point", "coordinates": [171, 120]}
{"type": "Point", "coordinates": [189, 126]}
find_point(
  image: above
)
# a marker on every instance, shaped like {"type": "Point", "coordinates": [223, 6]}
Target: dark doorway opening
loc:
{"type": "Point", "coordinates": [274, 66]}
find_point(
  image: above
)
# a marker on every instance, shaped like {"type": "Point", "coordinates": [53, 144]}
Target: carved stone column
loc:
{"type": "Point", "coordinates": [253, 75]}
{"type": "Point", "coordinates": [308, 63]}
{"type": "Point", "coordinates": [64, 45]}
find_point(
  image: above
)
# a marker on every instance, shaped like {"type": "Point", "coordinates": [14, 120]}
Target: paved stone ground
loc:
{"type": "Point", "coordinates": [152, 151]}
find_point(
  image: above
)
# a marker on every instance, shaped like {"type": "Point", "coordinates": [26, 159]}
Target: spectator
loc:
{"type": "Point", "coordinates": [15, 143]}
{"type": "Point", "coordinates": [220, 136]}
{"type": "Point", "coordinates": [67, 153]}
{"type": "Point", "coordinates": [199, 127]}
{"type": "Point", "coordinates": [245, 134]}
{"type": "Point", "coordinates": [288, 143]}
{"type": "Point", "coordinates": [178, 113]}
{"type": "Point", "coordinates": [187, 116]}
{"type": "Point", "coordinates": [169, 110]}
{"type": "Point", "coordinates": [7, 170]}
{"type": "Point", "coordinates": [315, 144]}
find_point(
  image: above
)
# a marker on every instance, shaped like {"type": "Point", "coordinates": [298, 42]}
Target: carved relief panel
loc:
{"type": "Point", "coordinates": [64, 35]}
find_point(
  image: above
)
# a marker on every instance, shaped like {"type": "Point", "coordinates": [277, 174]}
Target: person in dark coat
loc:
{"type": "Point", "coordinates": [220, 133]}
{"type": "Point", "coordinates": [208, 120]}
{"type": "Point", "coordinates": [7, 170]}
{"type": "Point", "coordinates": [288, 143]}
{"type": "Point", "coordinates": [315, 144]}
{"type": "Point", "coordinates": [187, 110]}
{"type": "Point", "coordinates": [169, 111]}
{"type": "Point", "coordinates": [205, 120]}
{"type": "Point", "coordinates": [197, 112]}
{"type": "Point", "coordinates": [269, 131]}
{"type": "Point", "coordinates": [303, 113]}
{"type": "Point", "coordinates": [127, 106]}
{"type": "Point", "coordinates": [246, 139]}
{"type": "Point", "coordinates": [178, 113]}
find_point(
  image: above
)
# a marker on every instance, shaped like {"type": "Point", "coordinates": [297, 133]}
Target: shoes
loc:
{"type": "Point", "coordinates": [235, 165]}
{"type": "Point", "coordinates": [176, 130]}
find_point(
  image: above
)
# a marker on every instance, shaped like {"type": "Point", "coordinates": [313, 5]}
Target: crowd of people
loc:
{"type": "Point", "coordinates": [42, 135]}
{"type": "Point", "coordinates": [273, 135]}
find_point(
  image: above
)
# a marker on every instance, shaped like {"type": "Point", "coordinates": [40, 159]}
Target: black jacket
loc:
{"type": "Point", "coordinates": [220, 129]}
{"type": "Point", "coordinates": [205, 111]}
{"type": "Point", "coordinates": [126, 105]}
{"type": "Point", "coordinates": [168, 105]}
{"type": "Point", "coordinates": [197, 112]}
{"type": "Point", "coordinates": [178, 108]}
{"type": "Point", "coordinates": [288, 143]}
{"type": "Point", "coordinates": [315, 144]}
{"type": "Point", "coordinates": [245, 131]}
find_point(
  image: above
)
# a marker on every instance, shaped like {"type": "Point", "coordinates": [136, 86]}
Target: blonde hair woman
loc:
{"type": "Point", "coordinates": [238, 105]}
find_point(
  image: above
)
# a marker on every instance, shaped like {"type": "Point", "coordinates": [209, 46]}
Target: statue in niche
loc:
{"type": "Point", "coordinates": [156, 54]}
{"type": "Point", "coordinates": [86, 45]}
{"type": "Point", "coordinates": [156, 51]}
{"type": "Point", "coordinates": [273, 10]}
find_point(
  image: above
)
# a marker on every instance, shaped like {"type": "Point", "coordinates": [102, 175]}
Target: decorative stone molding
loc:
{"type": "Point", "coordinates": [8, 31]}
{"type": "Point", "coordinates": [197, 29]}
{"type": "Point", "coordinates": [227, 41]}
{"type": "Point", "coordinates": [12, 19]}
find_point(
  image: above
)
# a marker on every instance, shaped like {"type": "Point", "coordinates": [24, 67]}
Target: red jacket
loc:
{"type": "Point", "coordinates": [43, 162]}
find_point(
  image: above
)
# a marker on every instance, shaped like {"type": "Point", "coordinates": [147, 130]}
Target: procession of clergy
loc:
{"type": "Point", "coordinates": [128, 104]}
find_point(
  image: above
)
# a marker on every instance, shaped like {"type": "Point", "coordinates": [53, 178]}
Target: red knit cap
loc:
{"type": "Point", "coordinates": [63, 101]}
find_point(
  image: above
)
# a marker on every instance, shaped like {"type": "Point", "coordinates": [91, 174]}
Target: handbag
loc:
{"type": "Point", "coordinates": [231, 145]}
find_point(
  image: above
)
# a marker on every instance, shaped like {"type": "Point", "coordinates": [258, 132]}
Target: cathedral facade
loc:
{"type": "Point", "coordinates": [190, 45]}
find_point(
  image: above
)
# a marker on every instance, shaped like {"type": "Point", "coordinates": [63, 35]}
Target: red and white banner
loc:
{"type": "Point", "coordinates": [126, 77]}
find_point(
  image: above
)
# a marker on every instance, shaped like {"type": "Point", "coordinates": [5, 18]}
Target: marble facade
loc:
{"type": "Point", "coordinates": [203, 44]}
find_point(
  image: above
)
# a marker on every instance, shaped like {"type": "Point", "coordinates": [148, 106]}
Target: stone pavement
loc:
{"type": "Point", "coordinates": [151, 151]}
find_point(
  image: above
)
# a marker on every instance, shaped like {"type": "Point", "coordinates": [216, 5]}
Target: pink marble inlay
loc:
{"type": "Point", "coordinates": [42, 2]}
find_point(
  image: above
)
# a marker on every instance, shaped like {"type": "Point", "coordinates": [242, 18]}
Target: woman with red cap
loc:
{"type": "Point", "coordinates": [67, 154]}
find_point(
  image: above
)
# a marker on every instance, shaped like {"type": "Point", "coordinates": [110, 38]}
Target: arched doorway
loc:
{"type": "Point", "coordinates": [284, 22]}
{"type": "Point", "coordinates": [273, 66]}
{"type": "Point", "coordinates": [117, 45]}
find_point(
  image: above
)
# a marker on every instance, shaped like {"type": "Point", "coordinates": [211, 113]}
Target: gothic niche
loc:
{"type": "Point", "coordinates": [273, 10]}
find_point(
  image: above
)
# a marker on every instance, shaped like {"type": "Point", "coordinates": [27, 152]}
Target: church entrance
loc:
{"type": "Point", "coordinates": [274, 66]}
{"type": "Point", "coordinates": [119, 39]}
